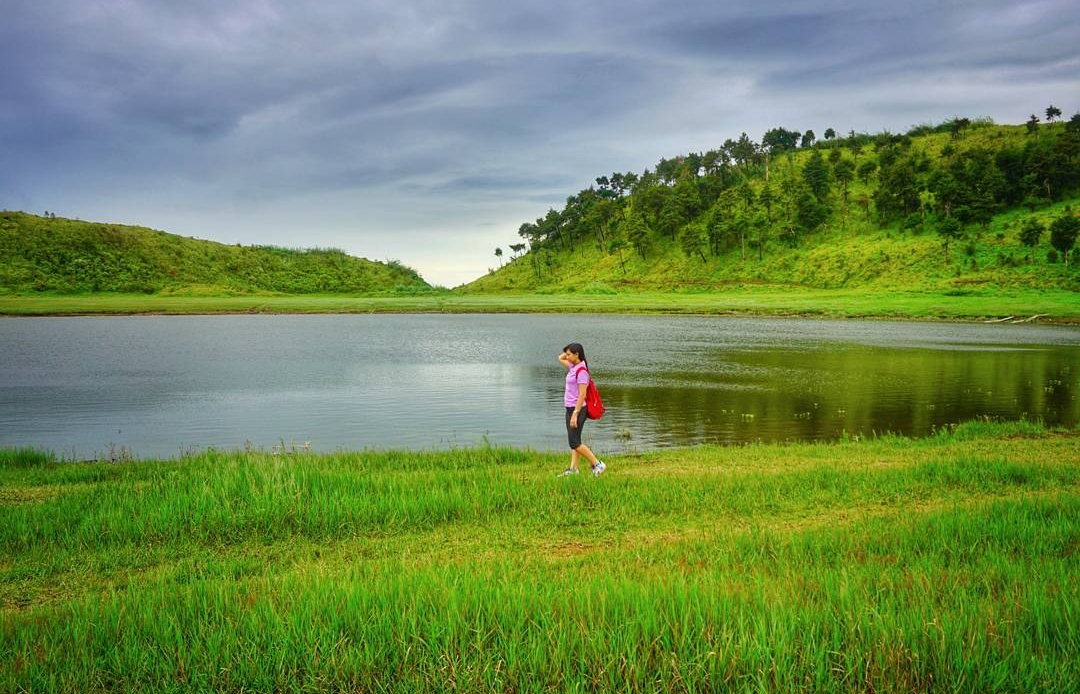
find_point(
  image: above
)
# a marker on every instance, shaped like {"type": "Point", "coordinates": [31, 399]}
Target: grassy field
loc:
{"type": "Point", "coordinates": [885, 565]}
{"type": "Point", "coordinates": [1057, 306]}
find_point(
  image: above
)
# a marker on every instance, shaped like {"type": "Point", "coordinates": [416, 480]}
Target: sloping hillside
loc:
{"type": "Point", "coordinates": [942, 208]}
{"type": "Point", "coordinates": [50, 254]}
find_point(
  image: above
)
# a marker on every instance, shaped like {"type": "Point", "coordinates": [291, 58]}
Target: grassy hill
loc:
{"type": "Point", "coordinates": [65, 256]}
{"type": "Point", "coordinates": [881, 233]}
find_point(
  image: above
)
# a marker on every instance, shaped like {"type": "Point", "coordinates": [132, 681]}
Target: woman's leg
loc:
{"type": "Point", "coordinates": [582, 450]}
{"type": "Point", "coordinates": [573, 434]}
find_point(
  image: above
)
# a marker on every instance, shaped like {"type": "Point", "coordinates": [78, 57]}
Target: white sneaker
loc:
{"type": "Point", "coordinates": [599, 468]}
{"type": "Point", "coordinates": [569, 471]}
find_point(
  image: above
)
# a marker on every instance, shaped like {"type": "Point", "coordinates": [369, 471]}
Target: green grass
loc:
{"type": "Point", "coordinates": [25, 457]}
{"type": "Point", "coordinates": [888, 565]}
{"type": "Point", "coordinates": [1059, 306]}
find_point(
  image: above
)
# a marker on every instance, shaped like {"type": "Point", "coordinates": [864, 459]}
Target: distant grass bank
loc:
{"type": "Point", "coordinates": [1057, 306]}
{"type": "Point", "coordinates": [886, 565]}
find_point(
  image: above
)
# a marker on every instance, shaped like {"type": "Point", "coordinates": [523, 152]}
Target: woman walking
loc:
{"type": "Point", "coordinates": [577, 412]}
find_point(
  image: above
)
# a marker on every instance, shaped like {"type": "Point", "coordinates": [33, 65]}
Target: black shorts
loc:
{"type": "Point", "coordinates": [574, 435]}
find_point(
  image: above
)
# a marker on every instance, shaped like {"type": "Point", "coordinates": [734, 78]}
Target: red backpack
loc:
{"type": "Point", "coordinates": [592, 398]}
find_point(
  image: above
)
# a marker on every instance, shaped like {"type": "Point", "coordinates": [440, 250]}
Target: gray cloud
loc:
{"type": "Point", "coordinates": [455, 122]}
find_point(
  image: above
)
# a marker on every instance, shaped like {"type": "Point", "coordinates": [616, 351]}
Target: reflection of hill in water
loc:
{"type": "Point", "coordinates": [778, 394]}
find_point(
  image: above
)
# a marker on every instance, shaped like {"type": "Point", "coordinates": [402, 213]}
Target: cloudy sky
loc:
{"type": "Point", "coordinates": [427, 131]}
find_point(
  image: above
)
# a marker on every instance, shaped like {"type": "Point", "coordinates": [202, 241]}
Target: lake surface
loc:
{"type": "Point", "coordinates": [159, 386]}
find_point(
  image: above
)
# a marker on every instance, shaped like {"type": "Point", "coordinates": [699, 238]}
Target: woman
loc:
{"type": "Point", "coordinates": [577, 413]}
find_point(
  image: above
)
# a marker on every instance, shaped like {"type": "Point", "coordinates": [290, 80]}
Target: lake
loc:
{"type": "Point", "coordinates": [161, 386]}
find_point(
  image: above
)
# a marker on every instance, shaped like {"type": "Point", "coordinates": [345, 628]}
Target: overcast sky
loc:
{"type": "Point", "coordinates": [428, 131]}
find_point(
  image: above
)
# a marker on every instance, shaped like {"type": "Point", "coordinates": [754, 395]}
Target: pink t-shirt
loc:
{"type": "Point", "coordinates": [575, 376]}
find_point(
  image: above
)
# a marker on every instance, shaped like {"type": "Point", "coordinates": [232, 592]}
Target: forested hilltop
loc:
{"type": "Point", "coordinates": [963, 205]}
{"type": "Point", "coordinates": [64, 256]}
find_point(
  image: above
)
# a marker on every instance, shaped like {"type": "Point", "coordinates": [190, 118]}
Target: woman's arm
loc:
{"type": "Point", "coordinates": [582, 387]}
{"type": "Point", "coordinates": [564, 360]}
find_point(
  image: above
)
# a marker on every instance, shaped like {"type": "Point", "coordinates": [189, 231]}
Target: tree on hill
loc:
{"type": "Point", "coordinates": [970, 185]}
{"type": "Point", "coordinates": [759, 224]}
{"type": "Point", "coordinates": [808, 139]}
{"type": "Point", "coordinates": [927, 204]}
{"type": "Point", "coordinates": [811, 211]}
{"type": "Point", "coordinates": [867, 169]}
{"type": "Point", "coordinates": [667, 170]}
{"type": "Point", "coordinates": [688, 197]}
{"type": "Point", "coordinates": [949, 229]}
{"type": "Point", "coordinates": [743, 152]}
{"type": "Point", "coordinates": [844, 173]}
{"type": "Point", "coordinates": [636, 231]}
{"type": "Point", "coordinates": [617, 245]}
{"type": "Point", "coordinates": [671, 218]}
{"type": "Point", "coordinates": [817, 176]}
{"type": "Point", "coordinates": [499, 255]}
{"type": "Point", "coordinates": [530, 233]}
{"type": "Point", "coordinates": [1063, 233]}
{"type": "Point", "coordinates": [957, 126]}
{"type": "Point", "coordinates": [603, 214]}
{"type": "Point", "coordinates": [551, 226]}
{"type": "Point", "coordinates": [724, 223]}
{"type": "Point", "coordinates": [779, 140]}
{"type": "Point", "coordinates": [692, 239]}
{"type": "Point", "coordinates": [1032, 192]}
{"type": "Point", "coordinates": [649, 201]}
{"type": "Point", "coordinates": [898, 191]}
{"type": "Point", "coordinates": [1052, 112]}
{"type": "Point", "coordinates": [1032, 124]}
{"type": "Point", "coordinates": [864, 201]}
{"type": "Point", "coordinates": [766, 198]}
{"type": "Point", "coordinates": [624, 182]}
{"type": "Point", "coordinates": [830, 134]}
{"type": "Point", "coordinates": [679, 207]}
{"type": "Point", "coordinates": [1030, 235]}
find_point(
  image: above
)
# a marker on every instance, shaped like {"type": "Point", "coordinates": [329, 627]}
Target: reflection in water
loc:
{"type": "Point", "coordinates": [158, 385]}
{"type": "Point", "coordinates": [778, 394]}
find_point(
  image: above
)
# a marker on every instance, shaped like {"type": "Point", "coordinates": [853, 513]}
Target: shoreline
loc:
{"type": "Point", "coordinates": [1052, 307]}
{"type": "Point", "coordinates": [985, 428]}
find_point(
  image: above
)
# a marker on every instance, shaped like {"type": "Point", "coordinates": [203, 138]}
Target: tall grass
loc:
{"type": "Point", "coordinates": [883, 565]}
{"type": "Point", "coordinates": [25, 457]}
